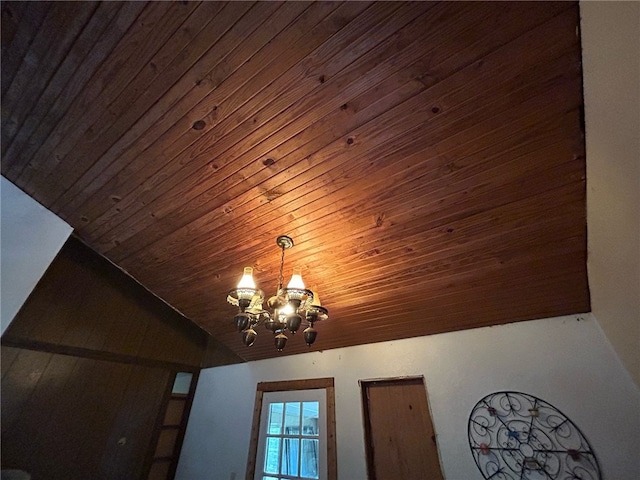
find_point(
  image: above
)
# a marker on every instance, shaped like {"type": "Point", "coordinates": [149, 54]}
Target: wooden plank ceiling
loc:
{"type": "Point", "coordinates": [427, 158]}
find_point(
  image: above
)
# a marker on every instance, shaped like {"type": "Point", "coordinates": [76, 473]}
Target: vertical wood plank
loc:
{"type": "Point", "coordinates": [131, 433]}
{"type": "Point", "coordinates": [8, 355]}
{"type": "Point", "coordinates": [21, 380]}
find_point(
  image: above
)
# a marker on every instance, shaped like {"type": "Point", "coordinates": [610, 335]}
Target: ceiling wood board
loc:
{"type": "Point", "coordinates": [427, 158]}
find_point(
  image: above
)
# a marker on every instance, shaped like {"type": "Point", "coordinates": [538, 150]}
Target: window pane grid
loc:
{"type": "Point", "coordinates": [291, 441]}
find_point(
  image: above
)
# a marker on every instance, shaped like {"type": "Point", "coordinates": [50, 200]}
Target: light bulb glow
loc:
{"type": "Point", "coordinates": [287, 310]}
{"type": "Point", "coordinates": [247, 279]}
{"type": "Point", "coordinates": [296, 279]}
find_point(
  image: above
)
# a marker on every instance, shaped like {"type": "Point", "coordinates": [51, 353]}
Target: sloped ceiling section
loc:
{"type": "Point", "coordinates": [426, 158]}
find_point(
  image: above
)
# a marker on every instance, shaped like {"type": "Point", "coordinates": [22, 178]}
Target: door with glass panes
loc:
{"type": "Point", "coordinates": [292, 439]}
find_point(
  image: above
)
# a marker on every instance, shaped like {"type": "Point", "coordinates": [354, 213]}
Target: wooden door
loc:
{"type": "Point", "coordinates": [399, 436]}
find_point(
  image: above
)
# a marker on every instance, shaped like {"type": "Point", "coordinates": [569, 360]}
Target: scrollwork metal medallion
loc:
{"type": "Point", "coordinates": [516, 436]}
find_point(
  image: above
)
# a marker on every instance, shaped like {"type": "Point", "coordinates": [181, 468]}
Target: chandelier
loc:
{"type": "Point", "coordinates": [288, 308]}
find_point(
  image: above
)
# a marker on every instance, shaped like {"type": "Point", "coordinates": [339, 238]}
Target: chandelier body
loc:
{"type": "Point", "coordinates": [288, 309]}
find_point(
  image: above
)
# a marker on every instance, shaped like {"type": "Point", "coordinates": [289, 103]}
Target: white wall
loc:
{"type": "Point", "coordinates": [31, 237]}
{"type": "Point", "coordinates": [566, 361]}
{"type": "Point", "coordinates": [611, 64]}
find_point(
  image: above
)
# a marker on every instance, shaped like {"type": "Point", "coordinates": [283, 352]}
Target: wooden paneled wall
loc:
{"type": "Point", "coordinates": [87, 367]}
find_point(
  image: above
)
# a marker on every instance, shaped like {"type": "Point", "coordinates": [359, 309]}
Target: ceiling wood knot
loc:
{"type": "Point", "coordinates": [199, 124]}
{"type": "Point", "coordinates": [452, 167]}
{"type": "Point", "coordinates": [380, 220]}
{"type": "Point", "coordinates": [322, 79]}
{"type": "Point", "coordinates": [427, 79]}
{"type": "Point", "coordinates": [271, 195]}
{"type": "Point", "coordinates": [435, 109]}
{"type": "Point", "coordinates": [228, 210]}
{"type": "Point", "coordinates": [350, 140]}
{"type": "Point", "coordinates": [267, 162]}
{"type": "Point", "coordinates": [370, 253]}
{"type": "Point", "coordinates": [344, 106]}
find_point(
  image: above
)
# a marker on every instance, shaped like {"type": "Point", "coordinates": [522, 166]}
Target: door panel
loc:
{"type": "Point", "coordinates": [400, 439]}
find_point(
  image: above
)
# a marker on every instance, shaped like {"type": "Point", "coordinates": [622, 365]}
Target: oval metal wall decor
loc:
{"type": "Point", "coordinates": [516, 436]}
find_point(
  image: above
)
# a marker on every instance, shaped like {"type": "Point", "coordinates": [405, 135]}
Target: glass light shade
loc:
{"type": "Point", "coordinates": [247, 279]}
{"type": "Point", "coordinates": [296, 279]}
{"type": "Point", "coordinates": [316, 299]}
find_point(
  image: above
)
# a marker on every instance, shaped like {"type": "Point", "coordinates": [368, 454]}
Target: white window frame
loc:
{"type": "Point", "coordinates": [321, 390]}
